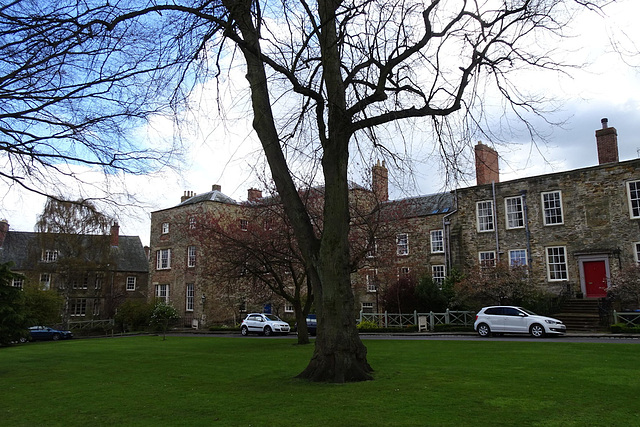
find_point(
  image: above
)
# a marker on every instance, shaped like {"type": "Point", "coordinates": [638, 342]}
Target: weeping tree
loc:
{"type": "Point", "coordinates": [324, 78]}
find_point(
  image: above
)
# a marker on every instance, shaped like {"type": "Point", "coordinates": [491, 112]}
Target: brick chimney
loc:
{"type": "Point", "coordinates": [216, 187]}
{"type": "Point", "coordinates": [4, 229]}
{"type": "Point", "coordinates": [607, 142]}
{"type": "Point", "coordinates": [115, 234]}
{"type": "Point", "coordinates": [380, 181]}
{"type": "Point", "coordinates": [487, 170]}
{"type": "Point", "coordinates": [254, 194]}
{"type": "Point", "coordinates": [187, 195]}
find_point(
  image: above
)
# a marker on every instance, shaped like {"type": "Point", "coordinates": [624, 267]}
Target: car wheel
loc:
{"type": "Point", "coordinates": [267, 331]}
{"type": "Point", "coordinates": [244, 331]}
{"type": "Point", "coordinates": [483, 330]}
{"type": "Point", "coordinates": [537, 331]}
{"type": "Point", "coordinates": [55, 337]}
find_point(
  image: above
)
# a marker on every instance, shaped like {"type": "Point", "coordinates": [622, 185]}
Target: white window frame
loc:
{"type": "Point", "coordinates": [404, 272]}
{"type": "Point", "coordinates": [514, 212]}
{"type": "Point", "coordinates": [367, 305]}
{"type": "Point", "coordinates": [372, 280]}
{"type": "Point", "coordinates": [78, 307]}
{"type": "Point", "coordinates": [512, 252]}
{"type": "Point", "coordinates": [438, 274]}
{"type": "Point", "coordinates": [18, 282]}
{"type": "Point", "coordinates": [633, 195]}
{"type": "Point", "coordinates": [190, 295]}
{"type": "Point", "coordinates": [165, 228]}
{"type": "Point", "coordinates": [437, 241]}
{"type": "Point", "coordinates": [162, 292]}
{"type": "Point", "coordinates": [557, 256]}
{"type": "Point", "coordinates": [192, 222]}
{"type": "Point", "coordinates": [96, 307]}
{"type": "Point", "coordinates": [131, 283]}
{"type": "Point", "coordinates": [244, 224]}
{"type": "Point", "coordinates": [191, 256]}
{"type": "Point", "coordinates": [49, 255]}
{"type": "Point", "coordinates": [98, 280]}
{"type": "Point", "coordinates": [636, 251]}
{"type": "Point", "coordinates": [487, 258]}
{"type": "Point", "coordinates": [485, 216]}
{"type": "Point", "coordinates": [288, 307]}
{"type": "Point", "coordinates": [402, 244]}
{"type": "Point", "coordinates": [163, 259]}
{"type": "Point", "coordinates": [547, 208]}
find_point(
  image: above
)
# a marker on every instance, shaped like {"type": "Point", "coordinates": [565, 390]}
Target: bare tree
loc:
{"type": "Point", "coordinates": [322, 76]}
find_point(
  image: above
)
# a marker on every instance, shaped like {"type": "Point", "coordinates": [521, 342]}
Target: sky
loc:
{"type": "Point", "coordinates": [224, 151]}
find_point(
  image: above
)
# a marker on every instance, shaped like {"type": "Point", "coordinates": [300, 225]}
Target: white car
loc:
{"type": "Point", "coordinates": [264, 324]}
{"type": "Point", "coordinates": [515, 320]}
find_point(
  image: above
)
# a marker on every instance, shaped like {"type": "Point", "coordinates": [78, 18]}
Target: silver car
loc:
{"type": "Point", "coordinates": [515, 320]}
{"type": "Point", "coordinates": [264, 324]}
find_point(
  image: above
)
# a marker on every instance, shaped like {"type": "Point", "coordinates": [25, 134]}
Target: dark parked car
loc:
{"type": "Point", "coordinates": [46, 333]}
{"type": "Point", "coordinates": [312, 324]}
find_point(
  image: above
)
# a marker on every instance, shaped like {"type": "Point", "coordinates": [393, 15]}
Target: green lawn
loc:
{"type": "Point", "coordinates": [249, 382]}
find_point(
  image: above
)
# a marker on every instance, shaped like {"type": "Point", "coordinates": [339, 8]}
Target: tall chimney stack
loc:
{"type": "Point", "coordinates": [487, 170]}
{"type": "Point", "coordinates": [380, 181]}
{"type": "Point", "coordinates": [607, 142]}
{"type": "Point", "coordinates": [115, 234]}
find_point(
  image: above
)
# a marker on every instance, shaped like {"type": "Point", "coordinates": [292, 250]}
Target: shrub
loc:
{"type": "Point", "coordinates": [622, 328]}
{"type": "Point", "coordinates": [133, 315]}
{"type": "Point", "coordinates": [367, 324]}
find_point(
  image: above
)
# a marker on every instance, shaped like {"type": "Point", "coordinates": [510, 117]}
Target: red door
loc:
{"type": "Point", "coordinates": [595, 278]}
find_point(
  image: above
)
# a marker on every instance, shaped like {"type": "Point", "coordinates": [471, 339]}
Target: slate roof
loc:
{"type": "Point", "coordinates": [23, 248]}
{"type": "Point", "coordinates": [412, 207]}
{"type": "Point", "coordinates": [211, 196]}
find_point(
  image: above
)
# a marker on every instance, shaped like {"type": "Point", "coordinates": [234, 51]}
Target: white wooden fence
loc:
{"type": "Point", "coordinates": [629, 318]}
{"type": "Point", "coordinates": [425, 321]}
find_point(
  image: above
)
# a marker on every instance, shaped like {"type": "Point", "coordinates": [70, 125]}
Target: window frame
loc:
{"type": "Point", "coordinates": [162, 292]}
{"type": "Point", "coordinates": [372, 280]}
{"type": "Point", "coordinates": [634, 202]}
{"type": "Point", "coordinates": [190, 297]}
{"type": "Point", "coordinates": [438, 279]}
{"type": "Point", "coordinates": [131, 280]}
{"type": "Point", "coordinates": [78, 307]}
{"type": "Point", "coordinates": [485, 223]}
{"type": "Point", "coordinates": [437, 244]}
{"type": "Point", "coordinates": [636, 251]}
{"type": "Point", "coordinates": [165, 228]}
{"type": "Point", "coordinates": [191, 256]}
{"type": "Point", "coordinates": [402, 244]}
{"type": "Point", "coordinates": [508, 213]}
{"type": "Point", "coordinates": [526, 257]}
{"type": "Point", "coordinates": [45, 283]}
{"type": "Point", "coordinates": [160, 264]}
{"type": "Point", "coordinates": [546, 209]}
{"type": "Point", "coordinates": [563, 263]}
{"type": "Point", "coordinates": [483, 262]}
{"type": "Point", "coordinates": [366, 305]}
{"type": "Point", "coordinates": [244, 224]}
{"type": "Point", "coordinates": [49, 255]}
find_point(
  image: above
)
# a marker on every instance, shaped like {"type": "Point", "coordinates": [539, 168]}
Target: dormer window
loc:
{"type": "Point", "coordinates": [49, 256]}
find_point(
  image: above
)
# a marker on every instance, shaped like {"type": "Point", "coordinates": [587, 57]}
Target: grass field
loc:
{"type": "Point", "coordinates": [221, 381]}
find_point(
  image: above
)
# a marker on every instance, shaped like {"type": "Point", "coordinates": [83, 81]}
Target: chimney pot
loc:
{"type": "Point", "coordinates": [605, 123]}
{"type": "Point", "coordinates": [216, 187]}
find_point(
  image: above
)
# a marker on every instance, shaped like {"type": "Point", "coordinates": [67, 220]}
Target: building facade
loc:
{"type": "Point", "coordinates": [573, 230]}
{"type": "Point", "coordinates": [93, 273]}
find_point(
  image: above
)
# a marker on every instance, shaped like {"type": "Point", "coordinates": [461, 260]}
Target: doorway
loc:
{"type": "Point", "coordinates": [594, 276]}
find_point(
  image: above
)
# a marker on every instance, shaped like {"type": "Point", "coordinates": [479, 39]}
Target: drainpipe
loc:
{"type": "Point", "coordinates": [495, 221]}
{"type": "Point", "coordinates": [525, 208]}
{"type": "Point", "coordinates": [446, 226]}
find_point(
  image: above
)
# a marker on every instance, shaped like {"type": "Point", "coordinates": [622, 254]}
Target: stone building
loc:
{"type": "Point", "coordinates": [93, 273]}
{"type": "Point", "coordinates": [572, 229]}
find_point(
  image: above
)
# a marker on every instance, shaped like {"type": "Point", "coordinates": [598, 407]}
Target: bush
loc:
{"type": "Point", "coordinates": [133, 315]}
{"type": "Point", "coordinates": [622, 328]}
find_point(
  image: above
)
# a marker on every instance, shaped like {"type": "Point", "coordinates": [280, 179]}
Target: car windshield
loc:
{"type": "Point", "coordinates": [272, 317]}
{"type": "Point", "coordinates": [529, 312]}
